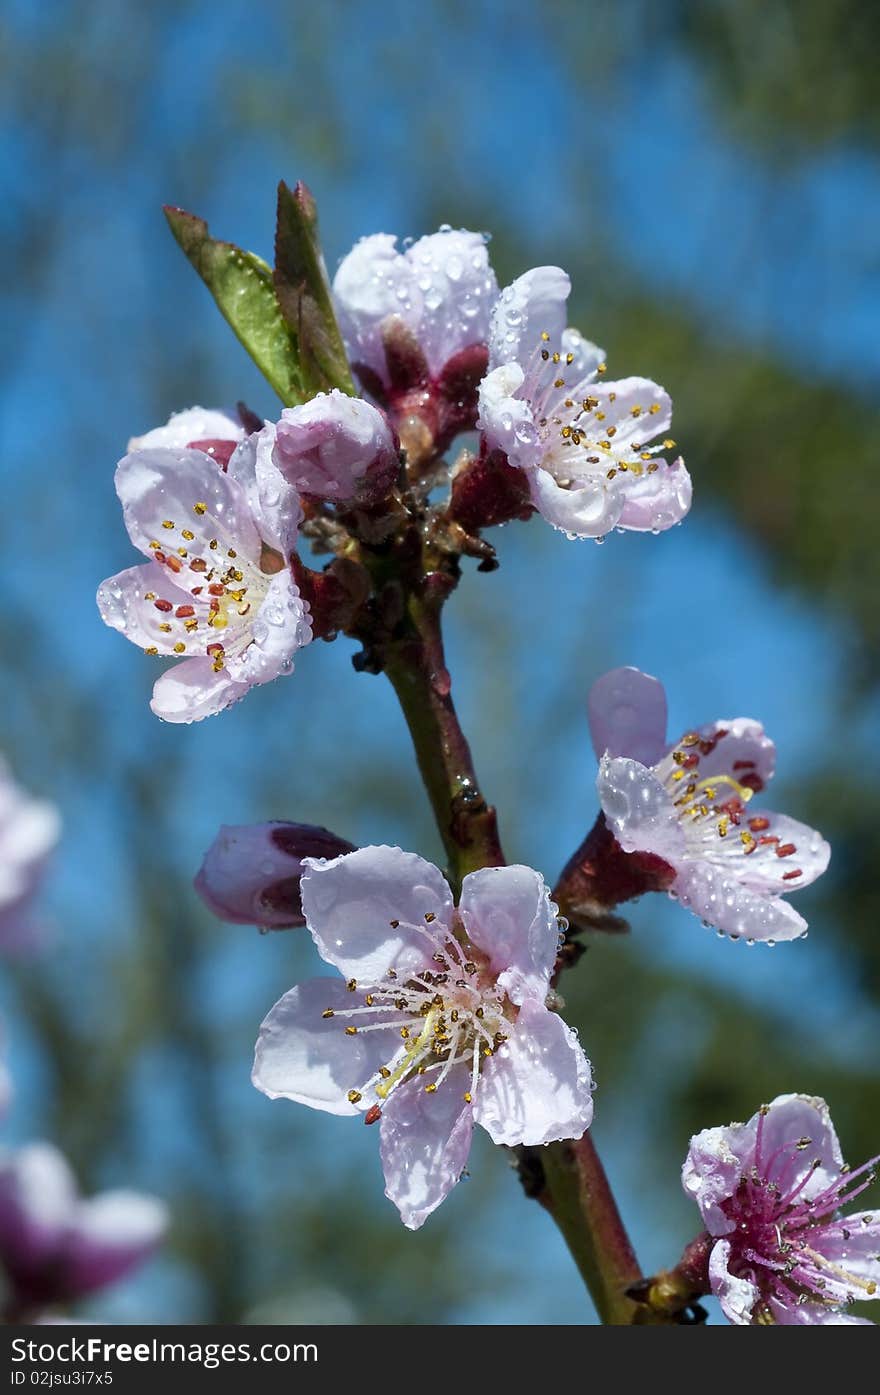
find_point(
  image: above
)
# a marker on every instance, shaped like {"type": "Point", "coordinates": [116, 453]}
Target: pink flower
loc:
{"type": "Point", "coordinates": [337, 448]}
{"type": "Point", "coordinates": [770, 1191]}
{"type": "Point", "coordinates": [251, 874]}
{"type": "Point", "coordinates": [442, 1022]}
{"type": "Point", "coordinates": [584, 444]}
{"type": "Point", "coordinates": [54, 1246]}
{"type": "Point", "coordinates": [218, 591]}
{"type": "Point", "coordinates": [29, 830]}
{"type": "Point", "coordinates": [415, 324]}
{"type": "Point", "coordinates": [686, 804]}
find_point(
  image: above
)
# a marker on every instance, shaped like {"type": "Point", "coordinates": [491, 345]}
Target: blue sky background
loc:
{"type": "Point", "coordinates": [107, 330]}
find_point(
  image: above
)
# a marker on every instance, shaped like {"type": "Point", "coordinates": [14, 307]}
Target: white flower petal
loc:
{"type": "Point", "coordinates": [583, 508]}
{"type": "Point", "coordinates": [189, 491]}
{"type": "Point", "coordinates": [303, 1056]}
{"type": "Point", "coordinates": [124, 603]}
{"type": "Point", "coordinates": [639, 810]}
{"type": "Point", "coordinates": [193, 424]}
{"type": "Point", "coordinates": [350, 904]}
{"type": "Point", "coordinates": [627, 714]}
{"type": "Point", "coordinates": [723, 901]}
{"type": "Point", "coordinates": [537, 1087]}
{"type": "Point", "coordinates": [736, 1295]}
{"type": "Point", "coordinates": [508, 914]}
{"type": "Point", "coordinates": [424, 1143]}
{"type": "Point", "coordinates": [532, 305]}
{"type": "Point", "coordinates": [192, 690]}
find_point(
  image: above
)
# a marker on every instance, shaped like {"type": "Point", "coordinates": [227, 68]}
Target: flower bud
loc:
{"type": "Point", "coordinates": [337, 448]}
{"type": "Point", "coordinates": [250, 874]}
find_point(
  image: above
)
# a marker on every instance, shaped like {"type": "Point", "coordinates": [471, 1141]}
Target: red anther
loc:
{"type": "Point", "coordinates": [786, 849]}
{"type": "Point", "coordinates": [708, 744]}
{"type": "Point", "coordinates": [183, 612]}
{"type": "Point", "coordinates": [214, 607]}
{"type": "Point", "coordinates": [198, 564]}
{"type": "Point", "coordinates": [690, 761]}
{"type": "Point", "coordinates": [174, 563]}
{"type": "Point", "coordinates": [216, 589]}
{"type": "Point", "coordinates": [164, 606]}
{"type": "Point", "coordinates": [215, 650]}
{"type": "Point", "coordinates": [790, 876]}
{"type": "Point", "coordinates": [743, 765]}
{"type": "Point", "coordinates": [373, 1114]}
{"type": "Point", "coordinates": [196, 590]}
{"type": "Point", "coordinates": [159, 557]}
{"type": "Point", "coordinates": [758, 824]}
{"type": "Point", "coordinates": [752, 781]}
{"type": "Point", "coordinates": [768, 839]}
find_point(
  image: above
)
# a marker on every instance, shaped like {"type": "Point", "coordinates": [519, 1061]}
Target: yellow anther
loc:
{"type": "Point", "coordinates": [179, 647]}
{"type": "Point", "coordinates": [200, 508]}
{"type": "Point", "coordinates": [166, 523]}
{"type": "Point", "coordinates": [354, 1096]}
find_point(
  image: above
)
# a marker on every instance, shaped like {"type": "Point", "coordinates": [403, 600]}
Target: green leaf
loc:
{"type": "Point", "coordinates": [241, 284]}
{"type": "Point", "coordinates": [303, 293]}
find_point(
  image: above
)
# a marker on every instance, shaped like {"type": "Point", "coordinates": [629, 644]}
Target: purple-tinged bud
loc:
{"type": "Point", "coordinates": [337, 448]}
{"type": "Point", "coordinates": [250, 874]}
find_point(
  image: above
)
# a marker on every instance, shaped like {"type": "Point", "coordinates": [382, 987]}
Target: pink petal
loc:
{"type": "Point", "coordinates": [506, 420]}
{"type": "Point", "coordinates": [462, 290]}
{"type": "Point", "coordinates": [124, 604]}
{"type": "Point", "coordinates": [534, 304]}
{"type": "Point", "coordinates": [336, 447]}
{"type": "Point", "coordinates": [272, 501]}
{"type": "Point", "coordinates": [303, 1056]}
{"type": "Point", "coordinates": [367, 911]}
{"type": "Point", "coordinates": [537, 1088]}
{"type": "Point", "coordinates": [424, 1142]}
{"type": "Point", "coordinates": [508, 914]}
{"type": "Point", "coordinates": [626, 405]}
{"type": "Point", "coordinates": [192, 690]}
{"type": "Point", "coordinates": [723, 901]}
{"type": "Point", "coordinates": [587, 508]}
{"type": "Point", "coordinates": [740, 749]}
{"type": "Point", "coordinates": [110, 1235]}
{"type": "Point", "coordinates": [658, 500]}
{"type": "Point", "coordinates": [627, 713]}
{"type": "Point", "coordinates": [790, 1118]}
{"type": "Point", "coordinates": [639, 809]}
{"type": "Point", "coordinates": [858, 1250]}
{"type": "Point", "coordinates": [373, 282]}
{"type": "Point", "coordinates": [716, 1160]}
{"type": "Point", "coordinates": [161, 485]}
{"type": "Point", "coordinates": [736, 1295]}
{"type": "Point", "coordinates": [764, 870]}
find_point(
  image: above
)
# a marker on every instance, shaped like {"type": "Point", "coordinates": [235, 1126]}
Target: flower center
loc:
{"type": "Point", "coordinates": [450, 1015]}
{"type": "Point", "coordinates": [227, 589]}
{"type": "Point", "coordinates": [572, 422]}
{"type": "Point", "coordinates": [787, 1233]}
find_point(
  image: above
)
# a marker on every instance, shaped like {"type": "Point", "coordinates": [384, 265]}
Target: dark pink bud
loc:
{"type": "Point", "coordinates": [488, 491]}
{"type": "Point", "coordinates": [250, 874]}
{"type": "Point", "coordinates": [337, 448]}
